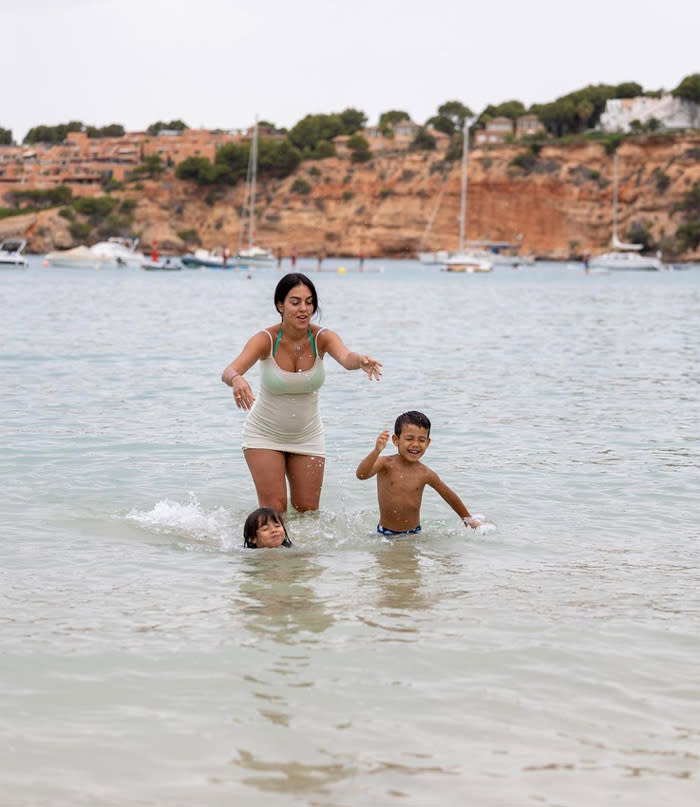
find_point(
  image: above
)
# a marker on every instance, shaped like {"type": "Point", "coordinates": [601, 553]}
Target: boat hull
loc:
{"type": "Point", "coordinates": [626, 261]}
{"type": "Point", "coordinates": [468, 263]}
{"type": "Point", "coordinates": [167, 265]}
{"type": "Point", "coordinates": [255, 258]}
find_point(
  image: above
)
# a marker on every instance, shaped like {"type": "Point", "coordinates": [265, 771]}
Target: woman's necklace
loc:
{"type": "Point", "coordinates": [298, 346]}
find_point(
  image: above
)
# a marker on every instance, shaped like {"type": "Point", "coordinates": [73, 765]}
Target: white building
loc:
{"type": "Point", "coordinates": [672, 113]}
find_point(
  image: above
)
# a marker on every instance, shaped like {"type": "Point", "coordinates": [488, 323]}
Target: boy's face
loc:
{"type": "Point", "coordinates": [269, 535]}
{"type": "Point", "coordinates": [412, 442]}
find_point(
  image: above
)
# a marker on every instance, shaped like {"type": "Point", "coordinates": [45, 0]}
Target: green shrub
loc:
{"type": "Point", "coordinates": [189, 236]}
{"type": "Point", "coordinates": [301, 186]}
{"type": "Point", "coordinates": [663, 180]}
{"type": "Point", "coordinates": [115, 225]}
{"type": "Point", "coordinates": [80, 230]}
{"type": "Point", "coordinates": [688, 233]}
{"type": "Point", "coordinates": [98, 207]}
{"type": "Point", "coordinates": [7, 212]}
{"type": "Point", "coordinates": [360, 156]}
{"type": "Point", "coordinates": [128, 205]}
{"type": "Point", "coordinates": [525, 160]}
{"type": "Point", "coordinates": [612, 142]}
{"type": "Point", "coordinates": [423, 141]}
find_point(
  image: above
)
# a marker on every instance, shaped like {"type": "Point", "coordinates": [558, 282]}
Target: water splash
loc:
{"type": "Point", "coordinates": [189, 521]}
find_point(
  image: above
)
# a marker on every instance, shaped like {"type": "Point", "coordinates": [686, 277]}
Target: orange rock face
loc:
{"type": "Point", "coordinates": [556, 203]}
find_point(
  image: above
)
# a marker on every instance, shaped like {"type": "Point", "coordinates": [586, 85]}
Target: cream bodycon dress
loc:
{"type": "Point", "coordinates": [285, 415]}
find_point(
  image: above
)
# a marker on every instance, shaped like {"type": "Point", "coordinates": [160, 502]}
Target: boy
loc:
{"type": "Point", "coordinates": [401, 478]}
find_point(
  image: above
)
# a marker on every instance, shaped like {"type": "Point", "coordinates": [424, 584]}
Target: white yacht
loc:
{"type": "Point", "coordinates": [113, 252]}
{"type": "Point", "coordinates": [11, 253]}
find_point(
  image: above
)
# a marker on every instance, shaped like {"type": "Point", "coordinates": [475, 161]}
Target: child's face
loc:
{"type": "Point", "coordinates": [270, 534]}
{"type": "Point", "coordinates": [412, 442]}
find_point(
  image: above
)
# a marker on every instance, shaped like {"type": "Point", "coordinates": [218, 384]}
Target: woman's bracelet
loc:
{"type": "Point", "coordinates": [235, 375]}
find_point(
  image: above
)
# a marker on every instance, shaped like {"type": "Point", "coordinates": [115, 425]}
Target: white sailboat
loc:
{"type": "Point", "coordinates": [252, 255]}
{"type": "Point", "coordinates": [466, 260]}
{"type": "Point", "coordinates": [622, 255]}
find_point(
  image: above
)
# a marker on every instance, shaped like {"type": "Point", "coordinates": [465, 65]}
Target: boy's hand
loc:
{"type": "Point", "coordinates": [382, 440]}
{"type": "Point", "coordinates": [469, 521]}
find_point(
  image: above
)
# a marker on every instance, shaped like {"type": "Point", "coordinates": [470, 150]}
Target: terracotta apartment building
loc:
{"type": "Point", "coordinates": [87, 162]}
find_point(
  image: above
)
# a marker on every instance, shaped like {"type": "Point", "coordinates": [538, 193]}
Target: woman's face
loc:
{"type": "Point", "coordinates": [270, 534]}
{"type": "Point", "coordinates": [298, 306]}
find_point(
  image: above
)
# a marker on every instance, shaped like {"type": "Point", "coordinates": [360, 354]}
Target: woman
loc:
{"type": "Point", "coordinates": [283, 434]}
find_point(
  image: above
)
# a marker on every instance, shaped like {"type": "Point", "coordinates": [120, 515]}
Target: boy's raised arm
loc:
{"type": "Point", "coordinates": [453, 500]}
{"type": "Point", "coordinates": [370, 464]}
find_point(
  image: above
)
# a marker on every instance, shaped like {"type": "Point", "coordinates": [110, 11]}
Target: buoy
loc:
{"type": "Point", "coordinates": [341, 270]}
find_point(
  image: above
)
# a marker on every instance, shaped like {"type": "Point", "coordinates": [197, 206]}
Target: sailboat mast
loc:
{"type": "Point", "coordinates": [614, 211]}
{"type": "Point", "coordinates": [463, 206]}
{"type": "Point", "coordinates": [254, 165]}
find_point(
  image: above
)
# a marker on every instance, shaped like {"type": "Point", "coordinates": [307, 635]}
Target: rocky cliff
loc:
{"type": "Point", "coordinates": [556, 203]}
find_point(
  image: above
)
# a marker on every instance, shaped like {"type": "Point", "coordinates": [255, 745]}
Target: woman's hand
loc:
{"type": "Point", "coordinates": [242, 393]}
{"type": "Point", "coordinates": [372, 367]}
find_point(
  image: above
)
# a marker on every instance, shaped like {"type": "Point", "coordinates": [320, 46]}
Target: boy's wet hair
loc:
{"type": "Point", "coordinates": [411, 418]}
{"type": "Point", "coordinates": [258, 518]}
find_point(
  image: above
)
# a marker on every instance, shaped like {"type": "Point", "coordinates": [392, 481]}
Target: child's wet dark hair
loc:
{"type": "Point", "coordinates": [412, 418]}
{"type": "Point", "coordinates": [258, 518]}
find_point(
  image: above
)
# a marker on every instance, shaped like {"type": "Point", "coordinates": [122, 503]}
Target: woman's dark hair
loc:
{"type": "Point", "coordinates": [412, 418]}
{"type": "Point", "coordinates": [288, 282]}
{"type": "Point", "coordinates": [258, 518]}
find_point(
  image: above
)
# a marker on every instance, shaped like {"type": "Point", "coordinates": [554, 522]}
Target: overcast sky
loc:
{"type": "Point", "coordinates": [219, 63]}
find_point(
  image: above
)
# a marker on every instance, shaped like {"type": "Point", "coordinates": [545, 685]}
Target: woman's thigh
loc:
{"type": "Point", "coordinates": [268, 469]}
{"type": "Point", "coordinates": [305, 476]}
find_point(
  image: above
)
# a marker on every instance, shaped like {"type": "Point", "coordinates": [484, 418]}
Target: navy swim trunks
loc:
{"type": "Point", "coordinates": [386, 531]}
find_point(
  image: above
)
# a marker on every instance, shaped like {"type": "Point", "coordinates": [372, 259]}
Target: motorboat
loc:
{"type": "Point", "coordinates": [622, 255]}
{"type": "Point", "coordinates": [252, 255]}
{"type": "Point", "coordinates": [217, 258]}
{"type": "Point", "coordinates": [465, 260]}
{"type": "Point", "coordinates": [114, 252]}
{"type": "Point", "coordinates": [11, 253]}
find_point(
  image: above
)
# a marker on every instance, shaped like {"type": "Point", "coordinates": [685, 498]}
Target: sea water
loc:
{"type": "Point", "coordinates": [551, 658]}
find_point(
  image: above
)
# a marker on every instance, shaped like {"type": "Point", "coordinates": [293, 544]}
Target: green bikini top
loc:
{"type": "Point", "coordinates": [311, 339]}
{"type": "Point", "coordinates": [276, 381]}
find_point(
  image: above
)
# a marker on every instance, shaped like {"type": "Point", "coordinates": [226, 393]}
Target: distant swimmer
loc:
{"type": "Point", "coordinates": [402, 477]}
{"type": "Point", "coordinates": [265, 529]}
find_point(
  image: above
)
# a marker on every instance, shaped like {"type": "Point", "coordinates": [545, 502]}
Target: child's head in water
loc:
{"type": "Point", "coordinates": [264, 528]}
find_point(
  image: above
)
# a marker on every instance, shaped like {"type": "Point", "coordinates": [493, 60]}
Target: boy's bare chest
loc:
{"type": "Point", "coordinates": [404, 480]}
